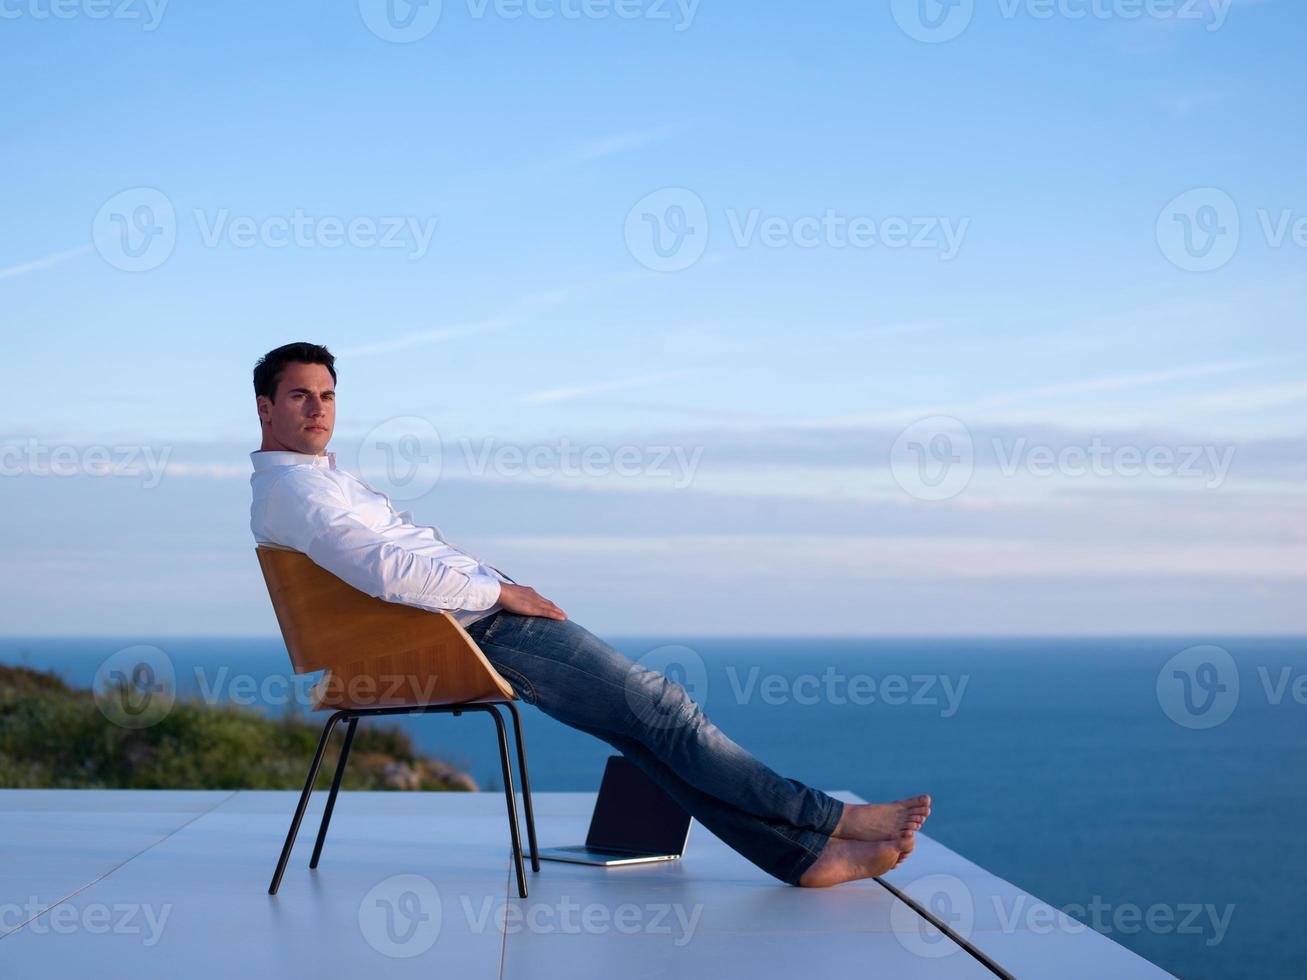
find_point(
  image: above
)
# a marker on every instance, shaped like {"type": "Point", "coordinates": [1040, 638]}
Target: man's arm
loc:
{"type": "Point", "coordinates": [406, 517]}
{"type": "Point", "coordinates": [312, 516]}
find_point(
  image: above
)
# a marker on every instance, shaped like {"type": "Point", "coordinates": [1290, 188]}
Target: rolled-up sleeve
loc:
{"type": "Point", "coordinates": [311, 515]}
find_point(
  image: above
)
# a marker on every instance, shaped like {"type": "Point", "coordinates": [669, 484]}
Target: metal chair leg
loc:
{"type": "Point", "coordinates": [304, 801]}
{"type": "Point", "coordinates": [335, 788]}
{"type": "Point", "coordinates": [505, 765]}
{"type": "Point", "coordinates": [526, 787]}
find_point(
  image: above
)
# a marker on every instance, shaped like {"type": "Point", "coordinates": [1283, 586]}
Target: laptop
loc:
{"type": "Point", "coordinates": [634, 822]}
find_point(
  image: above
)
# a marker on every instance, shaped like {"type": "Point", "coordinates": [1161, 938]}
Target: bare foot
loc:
{"type": "Point", "coordinates": [906, 844]}
{"type": "Point", "coordinates": [849, 860]}
{"type": "Point", "coordinates": [882, 821]}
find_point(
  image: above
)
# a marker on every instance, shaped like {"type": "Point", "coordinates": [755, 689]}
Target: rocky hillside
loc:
{"type": "Point", "coordinates": [55, 736]}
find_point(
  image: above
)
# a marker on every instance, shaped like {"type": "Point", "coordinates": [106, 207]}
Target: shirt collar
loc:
{"type": "Point", "coordinates": [267, 459]}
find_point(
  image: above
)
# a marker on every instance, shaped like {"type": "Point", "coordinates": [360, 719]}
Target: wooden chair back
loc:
{"type": "Point", "coordinates": [376, 653]}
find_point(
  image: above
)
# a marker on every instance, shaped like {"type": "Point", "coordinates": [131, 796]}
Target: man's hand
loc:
{"type": "Point", "coordinates": [526, 601]}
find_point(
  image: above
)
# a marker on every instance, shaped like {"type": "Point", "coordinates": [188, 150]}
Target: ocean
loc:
{"type": "Point", "coordinates": [1156, 794]}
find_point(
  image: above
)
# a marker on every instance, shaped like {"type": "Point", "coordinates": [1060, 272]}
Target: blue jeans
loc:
{"type": "Point", "coordinates": [570, 674]}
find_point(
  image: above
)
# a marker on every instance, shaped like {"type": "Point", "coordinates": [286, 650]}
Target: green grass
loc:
{"type": "Point", "coordinates": [55, 736]}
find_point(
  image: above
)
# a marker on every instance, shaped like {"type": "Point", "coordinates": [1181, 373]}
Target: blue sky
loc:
{"type": "Point", "coordinates": [1022, 192]}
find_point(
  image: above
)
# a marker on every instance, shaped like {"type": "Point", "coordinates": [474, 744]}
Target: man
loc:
{"type": "Point", "coordinates": [795, 833]}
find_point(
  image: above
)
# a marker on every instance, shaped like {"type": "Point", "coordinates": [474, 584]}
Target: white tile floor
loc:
{"type": "Point", "coordinates": [144, 884]}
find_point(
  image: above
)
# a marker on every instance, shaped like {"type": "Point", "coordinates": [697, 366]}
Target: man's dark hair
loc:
{"type": "Point", "coordinates": [267, 372]}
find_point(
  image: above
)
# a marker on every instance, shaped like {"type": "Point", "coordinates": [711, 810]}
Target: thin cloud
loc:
{"type": "Point", "coordinates": [893, 331]}
{"type": "Point", "coordinates": [425, 338]}
{"type": "Point", "coordinates": [1188, 102]}
{"type": "Point", "coordinates": [1116, 382]}
{"type": "Point", "coordinates": [515, 316]}
{"type": "Point", "coordinates": [527, 173]}
{"type": "Point", "coordinates": [36, 265]}
{"type": "Point", "coordinates": [695, 412]}
{"type": "Point", "coordinates": [1061, 390]}
{"type": "Point", "coordinates": [937, 558]}
{"type": "Point", "coordinates": [570, 393]}
{"type": "Point", "coordinates": [620, 143]}
{"type": "Point", "coordinates": [581, 290]}
{"type": "Point", "coordinates": [1252, 398]}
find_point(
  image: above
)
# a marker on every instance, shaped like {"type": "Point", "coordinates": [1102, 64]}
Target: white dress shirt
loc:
{"type": "Point", "coordinates": [304, 502]}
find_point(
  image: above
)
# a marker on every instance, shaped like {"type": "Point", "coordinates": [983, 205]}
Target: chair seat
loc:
{"type": "Point", "coordinates": [376, 653]}
{"type": "Point", "coordinates": [330, 694]}
{"type": "Point", "coordinates": [383, 658]}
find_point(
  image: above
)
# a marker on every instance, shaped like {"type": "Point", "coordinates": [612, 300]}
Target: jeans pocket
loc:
{"type": "Point", "coordinates": [522, 687]}
{"type": "Point", "coordinates": [483, 629]}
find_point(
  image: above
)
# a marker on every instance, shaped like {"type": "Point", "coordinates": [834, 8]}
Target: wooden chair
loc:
{"type": "Point", "coordinates": [383, 658]}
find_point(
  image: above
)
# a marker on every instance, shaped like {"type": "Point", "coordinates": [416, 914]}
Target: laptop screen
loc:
{"type": "Point", "coordinates": [633, 813]}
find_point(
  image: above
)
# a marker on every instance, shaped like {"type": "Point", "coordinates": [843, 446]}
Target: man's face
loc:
{"type": "Point", "coordinates": [303, 416]}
